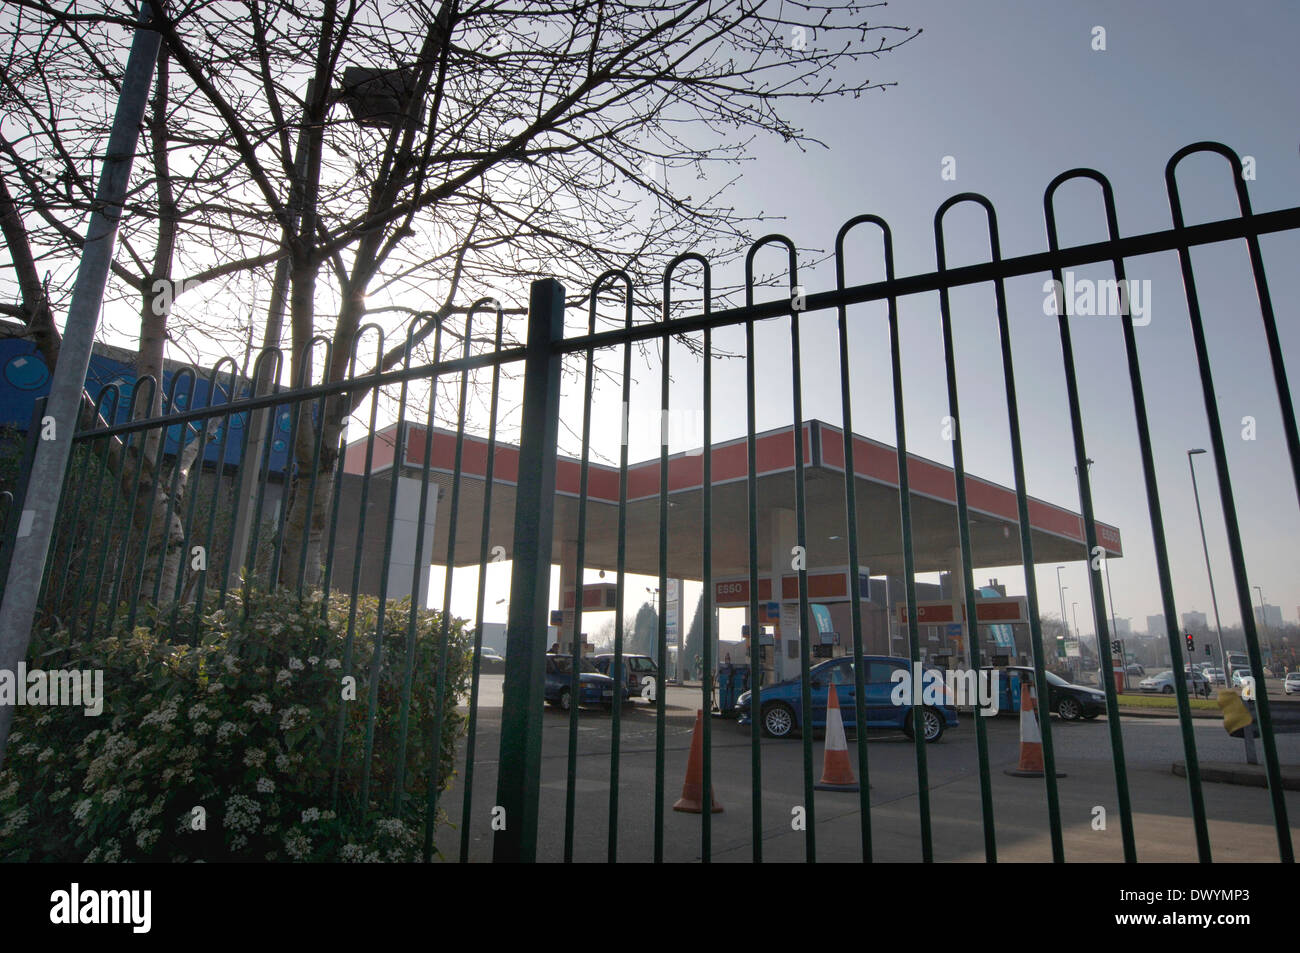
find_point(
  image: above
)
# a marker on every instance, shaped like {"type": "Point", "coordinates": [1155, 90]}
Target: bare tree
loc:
{"type": "Point", "coordinates": [54, 68]}
{"type": "Point", "coordinates": [404, 156]}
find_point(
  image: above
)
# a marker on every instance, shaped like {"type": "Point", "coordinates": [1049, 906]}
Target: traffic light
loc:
{"type": "Point", "coordinates": [1116, 648]}
{"type": "Point", "coordinates": [1191, 644]}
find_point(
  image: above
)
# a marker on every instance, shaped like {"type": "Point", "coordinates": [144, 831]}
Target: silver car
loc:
{"type": "Point", "coordinates": [1292, 683]}
{"type": "Point", "coordinates": [1163, 683]}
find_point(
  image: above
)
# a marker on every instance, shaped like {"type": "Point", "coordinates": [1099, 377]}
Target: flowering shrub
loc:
{"type": "Point", "coordinates": [226, 749]}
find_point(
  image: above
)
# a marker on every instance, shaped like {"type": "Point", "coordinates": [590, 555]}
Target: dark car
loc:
{"type": "Point", "coordinates": [636, 669]}
{"type": "Point", "coordinates": [781, 710]}
{"type": "Point", "coordinates": [593, 687]}
{"type": "Point", "coordinates": [1070, 702]}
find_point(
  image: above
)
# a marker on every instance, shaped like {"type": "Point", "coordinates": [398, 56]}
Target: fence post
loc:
{"type": "Point", "coordinates": [518, 778]}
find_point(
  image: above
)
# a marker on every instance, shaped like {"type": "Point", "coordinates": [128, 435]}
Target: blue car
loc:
{"type": "Point", "coordinates": [781, 710]}
{"type": "Point", "coordinates": [593, 687]}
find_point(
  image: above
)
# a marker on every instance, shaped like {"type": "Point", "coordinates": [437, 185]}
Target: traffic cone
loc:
{"type": "Point", "coordinates": [837, 773]}
{"type": "Point", "coordinates": [692, 799]}
{"type": "Point", "coordinates": [1031, 737]}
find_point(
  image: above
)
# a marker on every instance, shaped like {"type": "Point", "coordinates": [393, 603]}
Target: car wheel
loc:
{"type": "Point", "coordinates": [931, 725]}
{"type": "Point", "coordinates": [1069, 709]}
{"type": "Point", "coordinates": [932, 722]}
{"type": "Point", "coordinates": [565, 701]}
{"type": "Point", "coordinates": [778, 720]}
{"type": "Point", "coordinates": [1169, 689]}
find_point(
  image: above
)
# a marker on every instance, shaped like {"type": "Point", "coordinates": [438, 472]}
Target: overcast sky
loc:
{"type": "Point", "coordinates": [1015, 93]}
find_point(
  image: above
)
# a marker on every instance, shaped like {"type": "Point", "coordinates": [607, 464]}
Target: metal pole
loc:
{"type": "Point", "coordinates": [36, 526]}
{"type": "Point", "coordinates": [1223, 655]}
{"type": "Point", "coordinates": [1263, 624]}
{"type": "Point", "coordinates": [519, 775]}
{"type": "Point", "coordinates": [1061, 592]}
{"type": "Point", "coordinates": [1114, 628]}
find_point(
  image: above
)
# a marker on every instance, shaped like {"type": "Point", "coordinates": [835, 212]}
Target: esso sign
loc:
{"type": "Point", "coordinates": [1248, 687]}
{"type": "Point", "coordinates": [729, 593]}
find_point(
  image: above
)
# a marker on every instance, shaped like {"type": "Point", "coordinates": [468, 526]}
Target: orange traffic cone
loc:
{"type": "Point", "coordinates": [837, 773]}
{"type": "Point", "coordinates": [1031, 737]}
{"type": "Point", "coordinates": [692, 799]}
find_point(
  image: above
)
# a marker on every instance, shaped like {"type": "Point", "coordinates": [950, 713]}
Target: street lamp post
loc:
{"type": "Point", "coordinates": [1074, 608]}
{"type": "Point", "coordinates": [1061, 592]}
{"type": "Point", "coordinates": [1223, 655]}
{"type": "Point", "coordinates": [1110, 594]}
{"type": "Point", "coordinates": [1263, 622]}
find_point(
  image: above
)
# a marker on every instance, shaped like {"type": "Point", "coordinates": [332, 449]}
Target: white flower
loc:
{"type": "Point", "coordinates": [242, 814]}
{"type": "Point", "coordinates": [45, 755]}
{"type": "Point", "coordinates": [283, 676]}
{"type": "Point", "coordinates": [282, 762]}
{"type": "Point", "coordinates": [17, 820]}
{"type": "Point", "coordinates": [145, 839]}
{"type": "Point", "coordinates": [297, 844]}
{"type": "Point", "coordinates": [265, 786]}
{"type": "Point", "coordinates": [254, 757]}
{"type": "Point", "coordinates": [313, 659]}
{"type": "Point", "coordinates": [160, 716]}
{"type": "Point", "coordinates": [295, 665]}
{"type": "Point", "coordinates": [293, 716]}
{"type": "Point", "coordinates": [82, 810]}
{"type": "Point", "coordinates": [112, 795]}
{"type": "Point", "coordinates": [311, 814]}
{"type": "Point", "coordinates": [332, 663]}
{"type": "Point", "coordinates": [259, 705]}
{"type": "Point", "coordinates": [350, 852]}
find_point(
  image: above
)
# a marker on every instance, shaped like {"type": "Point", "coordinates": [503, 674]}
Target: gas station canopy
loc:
{"type": "Point", "coordinates": [1056, 532]}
